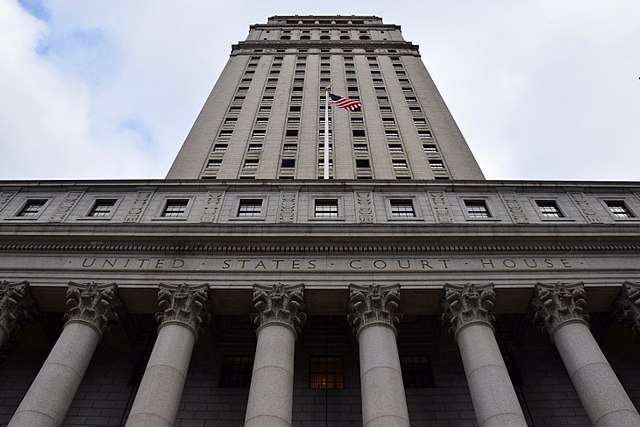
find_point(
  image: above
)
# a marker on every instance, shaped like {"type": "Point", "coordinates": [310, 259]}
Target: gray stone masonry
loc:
{"type": "Point", "coordinates": [17, 307]}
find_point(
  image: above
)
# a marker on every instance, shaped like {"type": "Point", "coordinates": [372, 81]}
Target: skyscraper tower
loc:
{"type": "Point", "coordinates": [265, 116]}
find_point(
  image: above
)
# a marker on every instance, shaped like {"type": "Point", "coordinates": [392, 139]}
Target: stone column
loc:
{"type": "Point", "coordinates": [279, 319]}
{"type": "Point", "coordinates": [373, 318]}
{"type": "Point", "coordinates": [627, 306]}
{"type": "Point", "coordinates": [466, 313]}
{"type": "Point", "coordinates": [182, 318]}
{"type": "Point", "coordinates": [559, 309]}
{"type": "Point", "coordinates": [88, 317]}
{"type": "Point", "coordinates": [17, 306]}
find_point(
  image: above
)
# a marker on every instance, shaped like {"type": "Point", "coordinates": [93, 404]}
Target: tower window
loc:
{"type": "Point", "coordinates": [362, 163]}
{"type": "Point", "coordinates": [220, 148]}
{"type": "Point", "coordinates": [236, 371]}
{"type": "Point", "coordinates": [290, 148]}
{"type": "Point", "coordinates": [477, 209]}
{"type": "Point", "coordinates": [102, 208]}
{"type": "Point", "coordinates": [175, 208]}
{"type": "Point", "coordinates": [360, 148]}
{"type": "Point", "coordinates": [288, 163]}
{"type": "Point", "coordinates": [291, 132]}
{"type": "Point", "coordinates": [32, 208]}
{"type": "Point", "coordinates": [214, 164]}
{"type": "Point", "coordinates": [416, 372]}
{"type": "Point", "coordinates": [400, 164]}
{"type": "Point", "coordinates": [326, 208]}
{"type": "Point", "coordinates": [436, 164]}
{"type": "Point", "coordinates": [358, 133]}
{"type": "Point", "coordinates": [430, 148]}
{"type": "Point", "coordinates": [395, 148]}
{"type": "Point", "coordinates": [326, 372]}
{"type": "Point", "coordinates": [250, 164]}
{"type": "Point", "coordinates": [250, 208]}
{"type": "Point", "coordinates": [549, 209]}
{"type": "Point", "coordinates": [402, 208]}
{"type": "Point", "coordinates": [619, 209]}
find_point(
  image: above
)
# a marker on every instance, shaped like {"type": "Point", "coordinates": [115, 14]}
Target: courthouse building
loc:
{"type": "Point", "coordinates": [245, 289]}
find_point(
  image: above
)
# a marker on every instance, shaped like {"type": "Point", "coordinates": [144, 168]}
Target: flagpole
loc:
{"type": "Point", "coordinates": [326, 134]}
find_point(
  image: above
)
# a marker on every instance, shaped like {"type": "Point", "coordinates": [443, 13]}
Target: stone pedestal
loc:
{"type": "Point", "coordinates": [51, 393]}
{"type": "Point", "coordinates": [374, 318]}
{"type": "Point", "coordinates": [183, 317]}
{"type": "Point", "coordinates": [16, 307]}
{"type": "Point", "coordinates": [560, 310]}
{"type": "Point", "coordinates": [467, 314]}
{"type": "Point", "coordinates": [278, 318]}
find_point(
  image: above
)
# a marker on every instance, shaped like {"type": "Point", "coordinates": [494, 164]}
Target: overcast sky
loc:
{"type": "Point", "coordinates": [541, 89]}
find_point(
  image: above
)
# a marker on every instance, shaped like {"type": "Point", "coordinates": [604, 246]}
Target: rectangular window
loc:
{"type": "Point", "coordinates": [326, 208]}
{"type": "Point", "coordinates": [258, 134]}
{"type": "Point", "coordinates": [358, 133]}
{"type": "Point", "coordinates": [291, 132]}
{"type": "Point", "coordinates": [288, 163]}
{"type": "Point", "coordinates": [250, 164]}
{"type": "Point", "coordinates": [262, 120]}
{"type": "Point", "coordinates": [424, 134]}
{"type": "Point", "coordinates": [400, 164]}
{"type": "Point", "coordinates": [102, 208]}
{"type": "Point", "coordinates": [290, 148]}
{"type": "Point", "coordinates": [477, 209]}
{"type": "Point", "coordinates": [214, 164]}
{"type": "Point", "coordinates": [362, 163]}
{"type": "Point", "coordinates": [549, 209]}
{"type": "Point", "coordinates": [326, 372]}
{"type": "Point", "coordinates": [436, 164]}
{"type": "Point", "coordinates": [360, 148]}
{"type": "Point", "coordinates": [254, 148]}
{"type": "Point", "coordinates": [220, 148]}
{"type": "Point", "coordinates": [402, 208]}
{"type": "Point", "coordinates": [236, 371]}
{"type": "Point", "coordinates": [395, 148]}
{"type": "Point", "coordinates": [416, 372]}
{"type": "Point", "coordinates": [175, 208]}
{"type": "Point", "coordinates": [430, 148]}
{"type": "Point", "coordinates": [619, 209]}
{"type": "Point", "coordinates": [225, 134]}
{"type": "Point", "coordinates": [250, 208]}
{"type": "Point", "coordinates": [32, 208]}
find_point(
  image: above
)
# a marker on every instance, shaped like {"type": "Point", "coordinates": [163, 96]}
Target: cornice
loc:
{"type": "Point", "coordinates": [323, 44]}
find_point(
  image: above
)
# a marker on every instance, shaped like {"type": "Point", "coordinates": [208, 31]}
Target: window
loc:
{"type": "Point", "coordinates": [400, 164]}
{"type": "Point", "coordinates": [262, 120]}
{"type": "Point", "coordinates": [32, 208]}
{"type": "Point", "coordinates": [549, 209]}
{"type": "Point", "coordinates": [258, 134]}
{"type": "Point", "coordinates": [250, 208]}
{"type": "Point", "coordinates": [430, 148]}
{"type": "Point", "coordinates": [214, 164]}
{"type": "Point", "coordinates": [326, 208]}
{"type": "Point", "coordinates": [220, 148]}
{"type": "Point", "coordinates": [225, 134]}
{"type": "Point", "coordinates": [102, 208]}
{"type": "Point", "coordinates": [293, 120]}
{"type": "Point", "coordinates": [395, 148]}
{"type": "Point", "coordinates": [250, 164]}
{"type": "Point", "coordinates": [289, 148]}
{"type": "Point", "coordinates": [619, 209]}
{"type": "Point", "coordinates": [358, 133]}
{"type": "Point", "coordinates": [326, 372]}
{"type": "Point", "coordinates": [362, 163]}
{"type": "Point", "coordinates": [402, 208]}
{"type": "Point", "coordinates": [253, 148]}
{"type": "Point", "coordinates": [424, 134]}
{"type": "Point", "coordinates": [477, 209]}
{"type": "Point", "coordinates": [436, 164]}
{"type": "Point", "coordinates": [236, 371]}
{"type": "Point", "coordinates": [291, 132]}
{"type": "Point", "coordinates": [416, 372]}
{"type": "Point", "coordinates": [360, 148]}
{"type": "Point", "coordinates": [288, 163]}
{"type": "Point", "coordinates": [295, 108]}
{"type": "Point", "coordinates": [175, 208]}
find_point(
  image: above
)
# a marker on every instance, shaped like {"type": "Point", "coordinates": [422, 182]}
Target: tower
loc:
{"type": "Point", "coordinates": [264, 118]}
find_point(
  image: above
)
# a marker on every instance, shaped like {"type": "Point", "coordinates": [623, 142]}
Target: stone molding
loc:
{"type": "Point", "coordinates": [374, 304]}
{"type": "Point", "coordinates": [279, 304]}
{"type": "Point", "coordinates": [17, 306]}
{"type": "Point", "coordinates": [559, 303]}
{"type": "Point", "coordinates": [467, 304]}
{"type": "Point", "coordinates": [189, 306]}
{"type": "Point", "coordinates": [92, 304]}
{"type": "Point", "coordinates": [627, 306]}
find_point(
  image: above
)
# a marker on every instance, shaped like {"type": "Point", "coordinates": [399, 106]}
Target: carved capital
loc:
{"type": "Point", "coordinates": [627, 306]}
{"type": "Point", "coordinates": [187, 305]}
{"type": "Point", "coordinates": [17, 306]}
{"type": "Point", "coordinates": [556, 304]}
{"type": "Point", "coordinates": [279, 304]}
{"type": "Point", "coordinates": [470, 303]}
{"type": "Point", "coordinates": [374, 304]}
{"type": "Point", "coordinates": [92, 304]}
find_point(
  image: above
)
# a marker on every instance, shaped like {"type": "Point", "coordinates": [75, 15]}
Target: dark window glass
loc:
{"type": "Point", "coordinates": [326, 372]}
{"type": "Point", "coordinates": [102, 208]}
{"type": "Point", "coordinates": [236, 371]}
{"type": "Point", "coordinates": [32, 208]}
{"type": "Point", "coordinates": [175, 208]}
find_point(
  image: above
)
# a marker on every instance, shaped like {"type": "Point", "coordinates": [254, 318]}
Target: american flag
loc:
{"type": "Point", "coordinates": [342, 102]}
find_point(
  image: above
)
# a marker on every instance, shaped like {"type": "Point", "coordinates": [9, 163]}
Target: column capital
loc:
{"type": "Point", "coordinates": [374, 304]}
{"type": "Point", "coordinates": [17, 306]}
{"type": "Point", "coordinates": [280, 304]}
{"type": "Point", "coordinates": [466, 304]}
{"type": "Point", "coordinates": [92, 304]}
{"type": "Point", "coordinates": [558, 303]}
{"type": "Point", "coordinates": [184, 304]}
{"type": "Point", "coordinates": [627, 306]}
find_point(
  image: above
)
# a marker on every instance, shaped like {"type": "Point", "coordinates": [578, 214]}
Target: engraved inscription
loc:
{"type": "Point", "coordinates": [287, 207]}
{"type": "Point", "coordinates": [583, 204]}
{"type": "Point", "coordinates": [65, 207]}
{"type": "Point", "coordinates": [514, 208]}
{"type": "Point", "coordinates": [440, 207]}
{"type": "Point", "coordinates": [210, 213]}
{"type": "Point", "coordinates": [365, 210]}
{"type": "Point", "coordinates": [5, 197]}
{"type": "Point", "coordinates": [142, 197]}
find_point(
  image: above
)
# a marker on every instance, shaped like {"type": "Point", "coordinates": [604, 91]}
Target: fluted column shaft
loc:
{"type": "Point", "coordinates": [51, 393]}
{"type": "Point", "coordinates": [373, 318]}
{"type": "Point", "coordinates": [467, 313]}
{"type": "Point", "coordinates": [184, 314]}
{"type": "Point", "coordinates": [560, 309]}
{"type": "Point", "coordinates": [279, 318]}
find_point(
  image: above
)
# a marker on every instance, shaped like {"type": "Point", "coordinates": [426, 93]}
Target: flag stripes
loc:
{"type": "Point", "coordinates": [342, 102]}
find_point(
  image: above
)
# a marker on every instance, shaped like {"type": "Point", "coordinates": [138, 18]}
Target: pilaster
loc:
{"type": "Point", "coordinates": [627, 306]}
{"type": "Point", "coordinates": [374, 304]}
{"type": "Point", "coordinates": [17, 306]}
{"type": "Point", "coordinates": [559, 303]}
